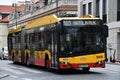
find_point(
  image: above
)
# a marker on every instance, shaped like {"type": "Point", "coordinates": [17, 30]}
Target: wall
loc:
{"type": "Point", "coordinates": [118, 44]}
{"type": "Point", "coordinates": [111, 10]}
{"type": "Point", "coordinates": [3, 34]}
{"type": "Point", "coordinates": [80, 6]}
{"type": "Point", "coordinates": [112, 42]}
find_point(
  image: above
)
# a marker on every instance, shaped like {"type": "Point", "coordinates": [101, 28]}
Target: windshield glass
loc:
{"type": "Point", "coordinates": [81, 40]}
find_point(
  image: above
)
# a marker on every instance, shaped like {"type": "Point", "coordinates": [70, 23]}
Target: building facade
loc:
{"type": "Point", "coordinates": [109, 12]}
{"type": "Point", "coordinates": [39, 8]}
{"type": "Point", "coordinates": [4, 12]}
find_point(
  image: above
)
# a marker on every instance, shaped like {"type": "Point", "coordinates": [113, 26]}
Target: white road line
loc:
{"type": "Point", "coordinates": [31, 70]}
{"type": "Point", "coordinates": [13, 76]}
{"type": "Point", "coordinates": [26, 79]}
{"type": "Point", "coordinates": [14, 71]}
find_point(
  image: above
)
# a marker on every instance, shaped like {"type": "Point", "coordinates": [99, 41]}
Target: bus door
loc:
{"type": "Point", "coordinates": [54, 49]}
{"type": "Point", "coordinates": [22, 44]}
{"type": "Point", "coordinates": [10, 46]}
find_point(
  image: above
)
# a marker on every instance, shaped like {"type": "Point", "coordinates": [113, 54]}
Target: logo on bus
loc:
{"type": "Point", "coordinates": [98, 57]}
{"type": "Point", "coordinates": [83, 59]}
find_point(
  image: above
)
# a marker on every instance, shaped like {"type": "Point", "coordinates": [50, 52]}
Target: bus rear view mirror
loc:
{"type": "Point", "coordinates": [105, 30]}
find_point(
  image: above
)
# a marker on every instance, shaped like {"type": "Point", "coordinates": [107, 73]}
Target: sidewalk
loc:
{"type": "Point", "coordinates": [116, 63]}
{"type": "Point", "coordinates": [2, 75]}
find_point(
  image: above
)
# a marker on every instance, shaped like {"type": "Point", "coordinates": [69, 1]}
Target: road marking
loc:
{"type": "Point", "coordinates": [26, 79]}
{"type": "Point", "coordinates": [30, 70]}
{"type": "Point", "coordinates": [14, 71]}
{"type": "Point", "coordinates": [13, 76]}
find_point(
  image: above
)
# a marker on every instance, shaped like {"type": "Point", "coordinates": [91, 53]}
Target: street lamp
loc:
{"type": "Point", "coordinates": [15, 5]}
{"type": "Point", "coordinates": [57, 7]}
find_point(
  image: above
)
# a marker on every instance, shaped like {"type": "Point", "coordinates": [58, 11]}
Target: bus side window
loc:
{"type": "Point", "coordinates": [33, 37]}
{"type": "Point", "coordinates": [48, 39]}
{"type": "Point", "coordinates": [39, 40]}
{"type": "Point", "coordinates": [42, 41]}
{"type": "Point", "coordinates": [25, 37]}
{"type": "Point", "coordinates": [28, 41]}
{"type": "Point", "coordinates": [13, 42]}
{"type": "Point", "coordinates": [10, 45]}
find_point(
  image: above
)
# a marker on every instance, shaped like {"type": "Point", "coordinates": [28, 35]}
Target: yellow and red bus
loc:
{"type": "Point", "coordinates": [60, 43]}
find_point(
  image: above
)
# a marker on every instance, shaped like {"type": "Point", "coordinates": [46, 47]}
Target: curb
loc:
{"type": "Point", "coordinates": [2, 75]}
{"type": "Point", "coordinates": [114, 63]}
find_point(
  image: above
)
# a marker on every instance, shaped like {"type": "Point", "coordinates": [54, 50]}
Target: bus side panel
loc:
{"type": "Point", "coordinates": [39, 58]}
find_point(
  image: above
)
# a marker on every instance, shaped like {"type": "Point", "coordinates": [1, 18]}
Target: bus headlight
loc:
{"type": "Point", "coordinates": [64, 63]}
{"type": "Point", "coordinates": [100, 62]}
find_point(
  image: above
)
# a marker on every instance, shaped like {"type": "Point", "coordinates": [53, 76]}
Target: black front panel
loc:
{"type": "Point", "coordinates": [81, 38]}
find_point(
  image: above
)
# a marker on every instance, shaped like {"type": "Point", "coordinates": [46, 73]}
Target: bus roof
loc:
{"type": "Point", "coordinates": [49, 20]}
{"type": "Point", "coordinates": [53, 19]}
{"type": "Point", "coordinates": [42, 21]}
{"type": "Point", "coordinates": [15, 30]}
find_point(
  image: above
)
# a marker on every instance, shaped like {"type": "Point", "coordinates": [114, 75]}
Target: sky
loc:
{"type": "Point", "coordinates": [8, 2]}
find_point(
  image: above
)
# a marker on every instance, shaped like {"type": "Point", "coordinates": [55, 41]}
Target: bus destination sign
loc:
{"type": "Point", "coordinates": [80, 23]}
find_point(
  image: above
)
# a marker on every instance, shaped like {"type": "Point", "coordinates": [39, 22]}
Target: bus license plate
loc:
{"type": "Point", "coordinates": [85, 65]}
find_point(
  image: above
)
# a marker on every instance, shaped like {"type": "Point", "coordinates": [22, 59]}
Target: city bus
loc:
{"type": "Point", "coordinates": [60, 43]}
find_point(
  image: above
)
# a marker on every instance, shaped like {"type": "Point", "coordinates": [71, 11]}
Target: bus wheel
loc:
{"type": "Point", "coordinates": [47, 65]}
{"type": "Point", "coordinates": [85, 69]}
{"type": "Point", "coordinates": [27, 60]}
{"type": "Point", "coordinates": [13, 58]}
{"type": "Point", "coordinates": [28, 63]}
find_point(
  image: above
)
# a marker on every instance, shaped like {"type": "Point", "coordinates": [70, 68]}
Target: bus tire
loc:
{"type": "Point", "coordinates": [47, 65]}
{"type": "Point", "coordinates": [27, 60]}
{"type": "Point", "coordinates": [13, 58]}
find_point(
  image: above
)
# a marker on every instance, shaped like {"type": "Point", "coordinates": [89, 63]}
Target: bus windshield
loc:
{"type": "Point", "coordinates": [81, 40]}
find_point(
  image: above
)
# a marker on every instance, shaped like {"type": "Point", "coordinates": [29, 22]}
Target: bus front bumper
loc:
{"type": "Point", "coordinates": [66, 65]}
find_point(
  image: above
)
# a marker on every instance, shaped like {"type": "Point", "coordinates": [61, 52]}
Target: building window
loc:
{"type": "Point", "coordinates": [118, 10]}
{"type": "Point", "coordinates": [104, 11]}
{"type": "Point", "coordinates": [104, 6]}
{"type": "Point", "coordinates": [97, 8]}
{"type": "Point", "coordinates": [84, 9]}
{"type": "Point", "coordinates": [90, 8]}
{"type": "Point", "coordinates": [45, 2]}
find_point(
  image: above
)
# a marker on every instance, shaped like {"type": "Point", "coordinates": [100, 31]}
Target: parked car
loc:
{"type": "Point", "coordinates": [4, 53]}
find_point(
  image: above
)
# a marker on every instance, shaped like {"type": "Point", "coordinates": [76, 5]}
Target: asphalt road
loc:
{"type": "Point", "coordinates": [22, 72]}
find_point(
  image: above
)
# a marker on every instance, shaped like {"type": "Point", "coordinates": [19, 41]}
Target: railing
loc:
{"type": "Point", "coordinates": [44, 9]}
